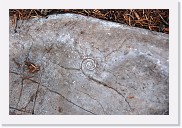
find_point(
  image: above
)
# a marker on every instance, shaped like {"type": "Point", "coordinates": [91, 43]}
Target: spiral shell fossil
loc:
{"type": "Point", "coordinates": [88, 64]}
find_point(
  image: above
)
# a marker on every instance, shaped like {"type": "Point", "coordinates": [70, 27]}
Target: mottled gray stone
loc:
{"type": "Point", "coordinates": [87, 66]}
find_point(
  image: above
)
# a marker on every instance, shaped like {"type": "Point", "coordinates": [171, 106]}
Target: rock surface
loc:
{"type": "Point", "coordinates": [82, 65]}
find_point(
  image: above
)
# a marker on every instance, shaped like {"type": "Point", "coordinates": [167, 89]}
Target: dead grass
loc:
{"type": "Point", "coordinates": [152, 19]}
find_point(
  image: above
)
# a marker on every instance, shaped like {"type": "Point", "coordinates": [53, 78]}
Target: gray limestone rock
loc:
{"type": "Point", "coordinates": [76, 65]}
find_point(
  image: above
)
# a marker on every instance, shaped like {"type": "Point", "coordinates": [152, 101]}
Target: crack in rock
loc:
{"type": "Point", "coordinates": [68, 100]}
{"type": "Point", "coordinates": [57, 94]}
{"type": "Point", "coordinates": [89, 64]}
{"type": "Point", "coordinates": [105, 85]}
{"type": "Point", "coordinates": [66, 68]}
{"type": "Point", "coordinates": [93, 99]}
{"type": "Point", "coordinates": [16, 109]}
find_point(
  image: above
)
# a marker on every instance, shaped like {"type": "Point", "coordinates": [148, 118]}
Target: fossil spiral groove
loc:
{"type": "Point", "coordinates": [88, 64]}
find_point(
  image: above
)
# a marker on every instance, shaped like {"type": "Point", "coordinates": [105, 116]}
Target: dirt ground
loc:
{"type": "Point", "coordinates": [152, 19]}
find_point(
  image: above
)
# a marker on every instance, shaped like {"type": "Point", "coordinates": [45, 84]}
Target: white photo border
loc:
{"type": "Point", "coordinates": [171, 119]}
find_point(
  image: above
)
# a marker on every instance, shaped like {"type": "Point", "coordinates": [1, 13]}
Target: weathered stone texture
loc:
{"type": "Point", "coordinates": [87, 66]}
